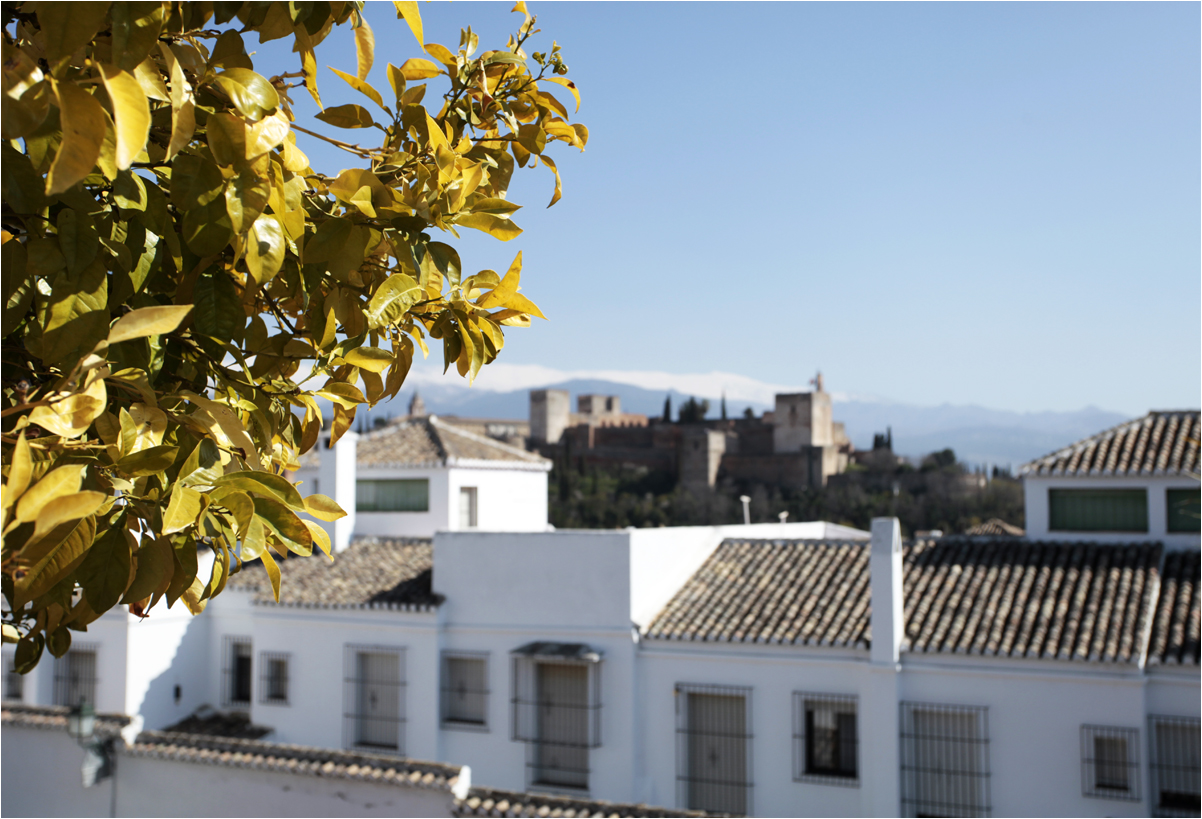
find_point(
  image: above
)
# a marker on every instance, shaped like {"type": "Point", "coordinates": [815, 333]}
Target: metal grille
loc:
{"type": "Point", "coordinates": [273, 677]}
{"type": "Point", "coordinates": [14, 683]}
{"type": "Point", "coordinates": [1110, 762]}
{"type": "Point", "coordinates": [75, 676]}
{"type": "Point", "coordinates": [945, 760]}
{"type": "Point", "coordinates": [713, 748]}
{"type": "Point", "coordinates": [374, 698]}
{"type": "Point", "coordinates": [1175, 765]}
{"type": "Point", "coordinates": [825, 743]}
{"type": "Point", "coordinates": [237, 668]}
{"type": "Point", "coordinates": [465, 690]}
{"type": "Point", "coordinates": [557, 711]}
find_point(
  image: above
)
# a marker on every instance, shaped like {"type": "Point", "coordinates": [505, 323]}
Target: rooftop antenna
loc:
{"type": "Point", "coordinates": [784, 516]}
{"type": "Point", "coordinates": [746, 500]}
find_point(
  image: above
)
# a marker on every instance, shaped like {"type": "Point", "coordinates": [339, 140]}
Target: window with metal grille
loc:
{"type": "Point", "coordinates": [1098, 510]}
{"type": "Point", "coordinates": [944, 760]}
{"type": "Point", "coordinates": [557, 712]}
{"type": "Point", "coordinates": [394, 495]}
{"type": "Point", "coordinates": [1183, 510]}
{"type": "Point", "coordinates": [238, 654]}
{"type": "Point", "coordinates": [713, 748]}
{"type": "Point", "coordinates": [374, 698]}
{"type": "Point", "coordinates": [824, 739]}
{"type": "Point", "coordinates": [467, 507]}
{"type": "Point", "coordinates": [1110, 762]}
{"type": "Point", "coordinates": [1175, 765]}
{"type": "Point", "coordinates": [273, 677]}
{"type": "Point", "coordinates": [465, 690]}
{"type": "Point", "coordinates": [14, 683]}
{"type": "Point", "coordinates": [75, 676]}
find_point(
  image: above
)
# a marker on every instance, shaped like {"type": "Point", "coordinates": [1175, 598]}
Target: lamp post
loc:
{"type": "Point", "coordinates": [746, 501]}
{"type": "Point", "coordinates": [99, 762]}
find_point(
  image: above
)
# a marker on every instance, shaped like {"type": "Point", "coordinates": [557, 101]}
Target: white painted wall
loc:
{"type": "Point", "coordinates": [1035, 499]}
{"type": "Point", "coordinates": [409, 524]}
{"type": "Point", "coordinates": [41, 777]}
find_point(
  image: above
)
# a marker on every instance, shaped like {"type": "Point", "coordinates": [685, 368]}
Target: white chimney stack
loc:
{"type": "Point", "coordinates": [885, 575]}
{"type": "Point", "coordinates": [336, 478]}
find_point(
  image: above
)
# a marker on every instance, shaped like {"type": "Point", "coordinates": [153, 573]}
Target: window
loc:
{"type": "Point", "coordinates": [273, 682]}
{"type": "Point", "coordinates": [374, 702]}
{"type": "Point", "coordinates": [1110, 762]}
{"type": "Point", "coordinates": [557, 711]}
{"type": "Point", "coordinates": [713, 748]}
{"type": "Point", "coordinates": [75, 676]}
{"type": "Point", "coordinates": [945, 760]}
{"type": "Point", "coordinates": [1183, 512]}
{"type": "Point", "coordinates": [1175, 765]}
{"type": "Point", "coordinates": [411, 495]}
{"type": "Point", "coordinates": [467, 507]}
{"type": "Point", "coordinates": [465, 690]}
{"type": "Point", "coordinates": [824, 739]}
{"type": "Point", "coordinates": [238, 656]}
{"type": "Point", "coordinates": [14, 683]}
{"type": "Point", "coordinates": [1098, 510]}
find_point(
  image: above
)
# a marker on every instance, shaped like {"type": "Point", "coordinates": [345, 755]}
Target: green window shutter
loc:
{"type": "Point", "coordinates": [394, 495]}
{"type": "Point", "coordinates": [1098, 510]}
{"type": "Point", "coordinates": [1183, 511]}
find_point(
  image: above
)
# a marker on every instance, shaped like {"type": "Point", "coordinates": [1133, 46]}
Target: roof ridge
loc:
{"type": "Point", "coordinates": [444, 426]}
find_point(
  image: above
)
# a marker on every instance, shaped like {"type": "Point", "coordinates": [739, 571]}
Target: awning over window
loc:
{"type": "Point", "coordinates": [559, 651]}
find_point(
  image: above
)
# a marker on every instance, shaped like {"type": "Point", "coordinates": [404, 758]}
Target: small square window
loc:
{"type": "Point", "coordinates": [273, 684]}
{"type": "Point", "coordinates": [1110, 762]}
{"type": "Point", "coordinates": [824, 739]}
{"type": "Point", "coordinates": [1183, 510]}
{"type": "Point", "coordinates": [465, 690]}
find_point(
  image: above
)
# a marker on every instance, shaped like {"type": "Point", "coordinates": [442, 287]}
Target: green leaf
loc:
{"type": "Point", "coordinates": [273, 572]}
{"type": "Point", "coordinates": [29, 651]}
{"type": "Point", "coordinates": [419, 69]}
{"type": "Point", "coordinates": [502, 229]}
{"type": "Point", "coordinates": [372, 359]}
{"type": "Point", "coordinates": [59, 642]}
{"type": "Point", "coordinates": [154, 569]}
{"type": "Point", "coordinates": [136, 28]}
{"type": "Point", "coordinates": [78, 239]}
{"type": "Point", "coordinates": [84, 126]}
{"type": "Point", "coordinates": [359, 85]}
{"type": "Point", "coordinates": [203, 466]}
{"type": "Point", "coordinates": [182, 511]}
{"type": "Point", "coordinates": [245, 198]}
{"type": "Point", "coordinates": [131, 113]}
{"type": "Point", "coordinates": [342, 394]}
{"type": "Point", "coordinates": [148, 321]}
{"type": "Point", "coordinates": [265, 249]}
{"type": "Point", "coordinates": [328, 242]}
{"type": "Point", "coordinates": [219, 310]}
{"type": "Point", "coordinates": [396, 295]}
{"type": "Point", "coordinates": [365, 48]}
{"type": "Point", "coordinates": [54, 558]}
{"type": "Point", "coordinates": [251, 93]}
{"type": "Point", "coordinates": [65, 480]}
{"type": "Point", "coordinates": [151, 461]}
{"type": "Point", "coordinates": [347, 116]}
{"type": "Point", "coordinates": [66, 508]}
{"type": "Point", "coordinates": [284, 524]}
{"type": "Point", "coordinates": [105, 573]}
{"type": "Point", "coordinates": [323, 507]}
{"type": "Point", "coordinates": [66, 27]}
{"type": "Point", "coordinates": [264, 484]}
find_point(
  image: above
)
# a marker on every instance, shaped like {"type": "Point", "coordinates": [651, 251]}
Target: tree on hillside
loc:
{"type": "Point", "coordinates": [694, 411]}
{"type": "Point", "coordinates": [181, 287]}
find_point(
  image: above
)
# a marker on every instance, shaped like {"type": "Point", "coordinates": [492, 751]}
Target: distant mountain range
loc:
{"type": "Point", "coordinates": [979, 435]}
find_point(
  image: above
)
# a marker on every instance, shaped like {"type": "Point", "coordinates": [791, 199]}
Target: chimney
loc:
{"type": "Point", "coordinates": [336, 477]}
{"type": "Point", "coordinates": [885, 574]}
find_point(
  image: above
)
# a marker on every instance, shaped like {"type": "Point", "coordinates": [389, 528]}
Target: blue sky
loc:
{"type": "Point", "coordinates": [994, 204]}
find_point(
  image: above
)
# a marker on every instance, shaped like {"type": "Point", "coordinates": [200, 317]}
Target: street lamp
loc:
{"type": "Point", "coordinates": [81, 723]}
{"type": "Point", "coordinates": [99, 758]}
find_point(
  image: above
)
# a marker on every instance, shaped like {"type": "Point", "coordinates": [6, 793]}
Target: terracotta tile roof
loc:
{"type": "Point", "coordinates": [1018, 598]}
{"type": "Point", "coordinates": [995, 527]}
{"type": "Point", "coordinates": [1160, 443]}
{"type": "Point", "coordinates": [54, 718]}
{"type": "Point", "coordinates": [429, 441]}
{"type": "Point", "coordinates": [209, 722]}
{"type": "Point", "coordinates": [387, 573]}
{"type": "Point", "coordinates": [801, 592]}
{"type": "Point", "coordinates": [994, 597]}
{"type": "Point", "coordinates": [297, 759]}
{"type": "Point", "coordinates": [1176, 624]}
{"type": "Point", "coordinates": [493, 802]}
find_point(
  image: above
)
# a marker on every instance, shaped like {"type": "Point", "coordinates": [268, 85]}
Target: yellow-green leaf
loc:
{"type": "Point", "coordinates": [568, 84]}
{"type": "Point", "coordinates": [508, 286]}
{"type": "Point", "coordinates": [182, 511]}
{"type": "Point", "coordinates": [347, 116]}
{"type": "Point", "coordinates": [342, 394]}
{"type": "Point", "coordinates": [67, 507]}
{"type": "Point", "coordinates": [407, 10]}
{"type": "Point", "coordinates": [150, 461]}
{"type": "Point", "coordinates": [284, 524]}
{"type": "Point", "coordinates": [265, 249]}
{"type": "Point", "coordinates": [391, 300]}
{"type": "Point", "coordinates": [370, 358]}
{"type": "Point", "coordinates": [323, 507]}
{"type": "Point", "coordinates": [502, 229]}
{"type": "Point", "coordinates": [68, 26]}
{"type": "Point", "coordinates": [320, 537]}
{"type": "Point", "coordinates": [365, 48]}
{"type": "Point", "coordinates": [361, 86]}
{"type": "Point", "coordinates": [55, 484]}
{"type": "Point", "coordinates": [131, 113]}
{"type": "Point", "coordinates": [263, 484]}
{"type": "Point", "coordinates": [148, 321]}
{"type": "Point", "coordinates": [84, 126]}
{"type": "Point", "coordinates": [418, 69]}
{"type": "Point", "coordinates": [273, 572]}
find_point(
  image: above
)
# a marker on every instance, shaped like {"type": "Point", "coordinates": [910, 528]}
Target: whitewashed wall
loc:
{"type": "Point", "coordinates": [1035, 500]}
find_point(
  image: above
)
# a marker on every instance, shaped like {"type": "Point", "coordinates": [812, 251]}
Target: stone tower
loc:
{"type": "Point", "coordinates": [802, 419]}
{"type": "Point", "coordinates": [549, 415]}
{"type": "Point", "coordinates": [417, 407]}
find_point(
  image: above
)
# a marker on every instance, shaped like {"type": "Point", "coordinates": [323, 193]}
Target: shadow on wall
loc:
{"type": "Point", "coordinates": [186, 682]}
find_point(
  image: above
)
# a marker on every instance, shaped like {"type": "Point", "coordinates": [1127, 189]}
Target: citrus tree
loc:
{"type": "Point", "coordinates": [181, 287]}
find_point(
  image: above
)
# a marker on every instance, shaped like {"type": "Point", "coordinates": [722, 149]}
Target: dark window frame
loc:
{"type": "Point", "coordinates": [270, 686]}
{"type": "Point", "coordinates": [1167, 776]}
{"type": "Point", "coordinates": [238, 677]}
{"type": "Point", "coordinates": [1059, 496]}
{"type": "Point", "coordinates": [531, 710]}
{"type": "Point", "coordinates": [805, 767]}
{"type": "Point", "coordinates": [360, 696]}
{"type": "Point", "coordinates": [690, 789]}
{"type": "Point", "coordinates": [361, 506]}
{"type": "Point", "coordinates": [448, 690]}
{"type": "Point", "coordinates": [1114, 778]}
{"type": "Point", "coordinates": [68, 680]}
{"type": "Point", "coordinates": [1184, 497]}
{"type": "Point", "coordinates": [930, 786]}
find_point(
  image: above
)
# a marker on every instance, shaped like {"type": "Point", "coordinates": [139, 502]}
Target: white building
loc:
{"type": "Point", "coordinates": [419, 475]}
{"type": "Point", "coordinates": [1135, 482]}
